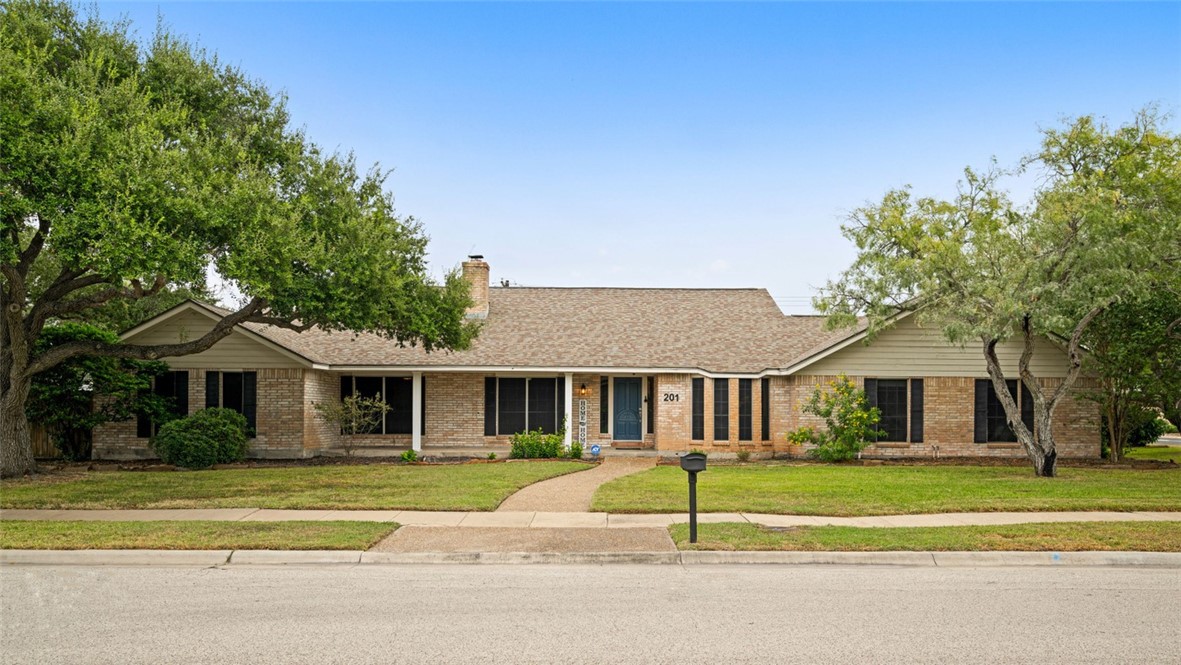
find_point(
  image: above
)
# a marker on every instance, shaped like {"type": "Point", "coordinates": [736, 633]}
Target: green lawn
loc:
{"type": "Point", "coordinates": [1157, 453]}
{"type": "Point", "coordinates": [374, 487]}
{"type": "Point", "coordinates": [1054, 537]}
{"type": "Point", "coordinates": [888, 490]}
{"type": "Point", "coordinates": [40, 535]}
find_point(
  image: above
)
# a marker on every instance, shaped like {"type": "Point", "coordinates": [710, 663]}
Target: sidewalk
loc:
{"type": "Point", "coordinates": [576, 520]}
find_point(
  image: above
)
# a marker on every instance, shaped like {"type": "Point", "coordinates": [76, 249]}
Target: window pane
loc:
{"type": "Point", "coordinates": [543, 405]}
{"type": "Point", "coordinates": [369, 387]}
{"type": "Point", "coordinates": [745, 406]}
{"type": "Point", "coordinates": [892, 404]}
{"type": "Point", "coordinates": [231, 390]}
{"type": "Point", "coordinates": [698, 409]}
{"type": "Point", "coordinates": [604, 404]}
{"type": "Point", "coordinates": [399, 395]}
{"type": "Point", "coordinates": [510, 405]}
{"type": "Point", "coordinates": [721, 409]}
{"type": "Point", "coordinates": [998, 424]}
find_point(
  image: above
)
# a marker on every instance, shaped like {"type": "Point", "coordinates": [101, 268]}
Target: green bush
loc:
{"type": "Point", "coordinates": [743, 456]}
{"type": "Point", "coordinates": [535, 445]}
{"type": "Point", "coordinates": [575, 450]}
{"type": "Point", "coordinates": [1166, 426]}
{"type": "Point", "coordinates": [850, 423]}
{"type": "Point", "coordinates": [410, 455]}
{"type": "Point", "coordinates": [202, 439]}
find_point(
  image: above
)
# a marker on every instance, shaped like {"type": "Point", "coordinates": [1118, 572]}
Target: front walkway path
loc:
{"type": "Point", "coordinates": [572, 492]}
{"type": "Point", "coordinates": [583, 520]}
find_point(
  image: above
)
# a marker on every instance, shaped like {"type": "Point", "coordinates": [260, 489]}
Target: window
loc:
{"type": "Point", "coordinates": [397, 392]}
{"type": "Point", "coordinates": [604, 405]}
{"type": "Point", "coordinates": [890, 398]}
{"type": "Point", "coordinates": [721, 409]}
{"type": "Point", "coordinates": [515, 405]}
{"type": "Point", "coordinates": [765, 407]}
{"type": "Point", "coordinates": [745, 407]}
{"type": "Point", "coordinates": [991, 424]}
{"type": "Point", "coordinates": [233, 390]}
{"type": "Point", "coordinates": [174, 388]}
{"type": "Point", "coordinates": [698, 409]}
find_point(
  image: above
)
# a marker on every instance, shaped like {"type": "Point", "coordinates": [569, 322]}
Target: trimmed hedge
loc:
{"type": "Point", "coordinates": [202, 439]}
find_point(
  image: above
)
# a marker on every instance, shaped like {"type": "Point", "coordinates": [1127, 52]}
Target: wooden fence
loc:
{"type": "Point", "coordinates": [43, 447]}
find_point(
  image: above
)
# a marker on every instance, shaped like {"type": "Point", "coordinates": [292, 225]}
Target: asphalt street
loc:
{"type": "Point", "coordinates": [588, 614]}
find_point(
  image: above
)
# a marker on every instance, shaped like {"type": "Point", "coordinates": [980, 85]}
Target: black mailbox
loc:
{"type": "Point", "coordinates": [693, 462]}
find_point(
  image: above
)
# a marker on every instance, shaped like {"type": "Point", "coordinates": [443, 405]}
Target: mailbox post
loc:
{"type": "Point", "coordinates": [693, 463]}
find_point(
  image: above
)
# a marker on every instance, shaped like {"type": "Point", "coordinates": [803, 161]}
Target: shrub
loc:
{"type": "Point", "coordinates": [743, 456]}
{"type": "Point", "coordinates": [1166, 426]}
{"type": "Point", "coordinates": [352, 415]}
{"type": "Point", "coordinates": [575, 450]}
{"type": "Point", "coordinates": [535, 445]}
{"type": "Point", "coordinates": [491, 456]}
{"type": "Point", "coordinates": [202, 439]}
{"type": "Point", "coordinates": [850, 423]}
{"type": "Point", "coordinates": [410, 455]}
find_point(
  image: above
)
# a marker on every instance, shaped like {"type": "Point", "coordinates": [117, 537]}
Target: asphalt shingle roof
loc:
{"type": "Point", "coordinates": [716, 330]}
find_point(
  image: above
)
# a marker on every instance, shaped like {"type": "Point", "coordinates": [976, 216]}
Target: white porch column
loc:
{"type": "Point", "coordinates": [569, 409]}
{"type": "Point", "coordinates": [416, 415]}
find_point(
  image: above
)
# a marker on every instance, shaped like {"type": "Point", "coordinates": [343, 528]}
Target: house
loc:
{"type": "Point", "coordinates": [721, 370]}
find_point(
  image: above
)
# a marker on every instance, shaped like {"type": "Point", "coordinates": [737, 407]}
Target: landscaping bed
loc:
{"type": "Point", "coordinates": [333, 487]}
{"type": "Point", "coordinates": [194, 535]}
{"type": "Point", "coordinates": [1049, 537]}
{"type": "Point", "coordinates": [842, 490]}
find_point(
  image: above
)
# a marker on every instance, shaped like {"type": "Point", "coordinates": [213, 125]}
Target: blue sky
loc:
{"type": "Point", "coordinates": [683, 145]}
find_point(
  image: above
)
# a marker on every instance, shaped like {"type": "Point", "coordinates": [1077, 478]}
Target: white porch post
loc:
{"type": "Point", "coordinates": [569, 409]}
{"type": "Point", "coordinates": [416, 413]}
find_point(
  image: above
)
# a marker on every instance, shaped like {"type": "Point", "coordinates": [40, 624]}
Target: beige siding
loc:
{"type": "Point", "coordinates": [237, 351]}
{"type": "Point", "coordinates": [907, 350]}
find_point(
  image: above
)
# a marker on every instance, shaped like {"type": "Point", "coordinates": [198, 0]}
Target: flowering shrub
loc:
{"type": "Point", "coordinates": [850, 423]}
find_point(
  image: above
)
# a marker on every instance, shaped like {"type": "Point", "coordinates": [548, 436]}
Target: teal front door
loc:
{"type": "Point", "coordinates": [629, 419]}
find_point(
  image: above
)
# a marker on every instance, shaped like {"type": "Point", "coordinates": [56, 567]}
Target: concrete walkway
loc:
{"type": "Point", "coordinates": [573, 491]}
{"type": "Point", "coordinates": [578, 520]}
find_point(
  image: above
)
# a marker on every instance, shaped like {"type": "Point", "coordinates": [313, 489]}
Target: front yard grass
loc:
{"type": "Point", "coordinates": [1156, 453]}
{"type": "Point", "coordinates": [196, 535]}
{"type": "Point", "coordinates": [840, 490]}
{"type": "Point", "coordinates": [351, 487]}
{"type": "Point", "coordinates": [1052, 537]}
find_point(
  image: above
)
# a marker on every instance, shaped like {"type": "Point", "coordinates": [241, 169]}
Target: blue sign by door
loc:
{"type": "Point", "coordinates": [629, 419]}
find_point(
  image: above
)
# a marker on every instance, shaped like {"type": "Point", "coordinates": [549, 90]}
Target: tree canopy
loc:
{"type": "Point", "coordinates": [130, 169]}
{"type": "Point", "coordinates": [1103, 227]}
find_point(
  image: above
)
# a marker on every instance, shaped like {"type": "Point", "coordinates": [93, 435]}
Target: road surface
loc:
{"type": "Point", "coordinates": [588, 614]}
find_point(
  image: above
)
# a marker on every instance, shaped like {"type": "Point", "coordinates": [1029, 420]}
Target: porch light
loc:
{"type": "Point", "coordinates": [582, 390]}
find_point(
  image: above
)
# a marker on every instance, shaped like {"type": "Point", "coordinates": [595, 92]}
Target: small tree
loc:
{"type": "Point", "coordinates": [353, 415]}
{"type": "Point", "coordinates": [850, 421]}
{"type": "Point", "coordinates": [71, 399]}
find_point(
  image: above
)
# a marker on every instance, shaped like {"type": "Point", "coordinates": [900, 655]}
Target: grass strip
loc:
{"type": "Point", "coordinates": [840, 490]}
{"type": "Point", "coordinates": [352, 487]}
{"type": "Point", "coordinates": [195, 535]}
{"type": "Point", "coordinates": [1044, 537]}
{"type": "Point", "coordinates": [1155, 453]}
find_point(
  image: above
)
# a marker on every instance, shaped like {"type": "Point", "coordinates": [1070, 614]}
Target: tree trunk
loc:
{"type": "Point", "coordinates": [16, 448]}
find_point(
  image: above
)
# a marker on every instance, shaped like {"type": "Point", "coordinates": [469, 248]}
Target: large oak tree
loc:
{"type": "Point", "coordinates": [129, 169]}
{"type": "Point", "coordinates": [1103, 227]}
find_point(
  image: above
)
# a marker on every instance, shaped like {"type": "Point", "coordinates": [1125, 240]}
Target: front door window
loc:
{"type": "Point", "coordinates": [629, 422]}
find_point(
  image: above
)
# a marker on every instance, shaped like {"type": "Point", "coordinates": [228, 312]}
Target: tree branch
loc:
{"type": "Point", "coordinates": [221, 329]}
{"type": "Point", "coordinates": [34, 249]}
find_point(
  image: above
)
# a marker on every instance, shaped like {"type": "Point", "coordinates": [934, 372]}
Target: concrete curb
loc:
{"type": "Point", "coordinates": [115, 557]}
{"type": "Point", "coordinates": [354, 557]}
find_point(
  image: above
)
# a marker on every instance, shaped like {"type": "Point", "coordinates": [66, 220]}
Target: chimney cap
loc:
{"type": "Point", "coordinates": [476, 257]}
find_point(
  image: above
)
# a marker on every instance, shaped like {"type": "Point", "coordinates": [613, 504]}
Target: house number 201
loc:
{"type": "Point", "coordinates": [672, 397]}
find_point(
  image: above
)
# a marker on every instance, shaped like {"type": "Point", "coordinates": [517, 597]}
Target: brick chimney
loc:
{"type": "Point", "coordinates": [475, 271]}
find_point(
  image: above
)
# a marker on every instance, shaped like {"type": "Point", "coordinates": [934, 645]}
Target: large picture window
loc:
{"type": "Point", "coordinates": [234, 390]}
{"type": "Point", "coordinates": [523, 404]}
{"type": "Point", "coordinates": [397, 392]}
{"type": "Point", "coordinates": [991, 423]}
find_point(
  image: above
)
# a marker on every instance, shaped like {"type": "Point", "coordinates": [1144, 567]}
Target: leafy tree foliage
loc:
{"type": "Point", "coordinates": [1104, 227]}
{"type": "Point", "coordinates": [72, 398]}
{"type": "Point", "coordinates": [850, 423]}
{"type": "Point", "coordinates": [1135, 350]}
{"type": "Point", "coordinates": [127, 170]}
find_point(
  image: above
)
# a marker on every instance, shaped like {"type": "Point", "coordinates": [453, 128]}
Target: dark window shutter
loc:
{"type": "Point", "coordinates": [250, 400]}
{"type": "Point", "coordinates": [980, 421]}
{"type": "Point", "coordinates": [698, 409]}
{"type": "Point", "coordinates": [916, 410]}
{"type": "Point", "coordinates": [871, 398]}
{"type": "Point", "coordinates": [490, 406]}
{"type": "Point", "coordinates": [1026, 407]}
{"type": "Point", "coordinates": [181, 393]}
{"type": "Point", "coordinates": [560, 407]}
{"type": "Point", "coordinates": [212, 390]}
{"type": "Point", "coordinates": [651, 404]}
{"type": "Point", "coordinates": [346, 386]}
{"type": "Point", "coordinates": [765, 407]}
{"type": "Point", "coordinates": [604, 404]}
